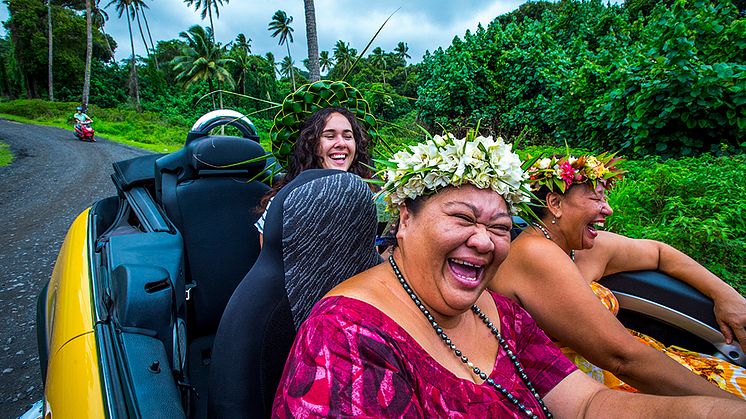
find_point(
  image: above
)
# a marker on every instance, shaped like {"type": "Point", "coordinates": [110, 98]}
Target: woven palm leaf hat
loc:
{"type": "Point", "coordinates": [309, 98]}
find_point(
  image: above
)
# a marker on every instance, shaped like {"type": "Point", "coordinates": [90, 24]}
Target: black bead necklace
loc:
{"type": "Point", "coordinates": [546, 234]}
{"type": "Point", "coordinates": [481, 374]}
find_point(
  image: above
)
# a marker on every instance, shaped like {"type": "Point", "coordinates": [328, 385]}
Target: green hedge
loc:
{"type": "Point", "coordinates": [694, 204]}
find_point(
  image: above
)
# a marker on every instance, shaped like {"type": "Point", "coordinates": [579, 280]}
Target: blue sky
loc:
{"type": "Point", "coordinates": [422, 24]}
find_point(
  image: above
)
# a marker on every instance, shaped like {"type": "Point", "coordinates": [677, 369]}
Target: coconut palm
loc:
{"type": "Point", "coordinates": [378, 59]}
{"type": "Point", "coordinates": [280, 24]}
{"type": "Point", "coordinates": [88, 53]}
{"type": "Point", "coordinates": [271, 60]}
{"type": "Point", "coordinates": [242, 65]}
{"type": "Point", "coordinates": [401, 52]}
{"type": "Point", "coordinates": [207, 7]}
{"type": "Point", "coordinates": [313, 43]}
{"type": "Point", "coordinates": [243, 43]}
{"type": "Point", "coordinates": [287, 67]}
{"type": "Point", "coordinates": [123, 8]}
{"type": "Point", "coordinates": [50, 51]}
{"type": "Point", "coordinates": [344, 56]}
{"type": "Point", "coordinates": [325, 61]}
{"type": "Point", "coordinates": [99, 20]}
{"type": "Point", "coordinates": [139, 7]}
{"type": "Point", "coordinates": [203, 60]}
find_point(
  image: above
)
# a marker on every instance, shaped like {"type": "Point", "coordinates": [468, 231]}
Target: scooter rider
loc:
{"type": "Point", "coordinates": [80, 117]}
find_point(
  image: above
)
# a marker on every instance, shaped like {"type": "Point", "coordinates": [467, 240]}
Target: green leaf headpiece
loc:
{"type": "Point", "coordinates": [309, 98]}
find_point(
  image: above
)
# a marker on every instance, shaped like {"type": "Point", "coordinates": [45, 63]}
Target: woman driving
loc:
{"type": "Point", "coordinates": [552, 271]}
{"type": "Point", "coordinates": [420, 336]}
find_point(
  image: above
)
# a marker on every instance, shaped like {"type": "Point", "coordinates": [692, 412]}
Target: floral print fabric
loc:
{"type": "Point", "coordinates": [350, 359]}
{"type": "Point", "coordinates": [723, 374]}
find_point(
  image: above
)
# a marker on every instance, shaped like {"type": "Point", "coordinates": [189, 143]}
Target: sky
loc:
{"type": "Point", "coordinates": [422, 24]}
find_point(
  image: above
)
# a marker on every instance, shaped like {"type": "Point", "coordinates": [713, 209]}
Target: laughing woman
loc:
{"type": "Point", "coordinates": [420, 336]}
{"type": "Point", "coordinates": [331, 138]}
{"type": "Point", "coordinates": [553, 269]}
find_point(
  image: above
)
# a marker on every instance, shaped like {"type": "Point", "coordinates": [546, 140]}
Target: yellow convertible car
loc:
{"type": "Point", "coordinates": [132, 324]}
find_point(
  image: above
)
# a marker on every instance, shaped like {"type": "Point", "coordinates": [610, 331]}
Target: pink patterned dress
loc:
{"type": "Point", "coordinates": [350, 359]}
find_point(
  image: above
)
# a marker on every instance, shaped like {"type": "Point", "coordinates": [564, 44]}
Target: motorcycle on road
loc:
{"type": "Point", "coordinates": [84, 131]}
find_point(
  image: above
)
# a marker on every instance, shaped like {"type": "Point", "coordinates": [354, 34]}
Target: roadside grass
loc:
{"type": "Point", "coordinates": [6, 157]}
{"type": "Point", "coordinates": [146, 130]}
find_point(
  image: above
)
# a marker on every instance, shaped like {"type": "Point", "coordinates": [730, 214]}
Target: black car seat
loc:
{"type": "Point", "coordinates": [209, 190]}
{"type": "Point", "coordinates": [319, 231]}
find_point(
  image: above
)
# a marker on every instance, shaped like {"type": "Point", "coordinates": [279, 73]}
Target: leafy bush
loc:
{"type": "Point", "coordinates": [669, 82]}
{"type": "Point", "coordinates": [694, 204]}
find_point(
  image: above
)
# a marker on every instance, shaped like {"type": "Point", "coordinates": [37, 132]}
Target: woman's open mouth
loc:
{"type": "Point", "coordinates": [466, 272]}
{"type": "Point", "coordinates": [594, 227]}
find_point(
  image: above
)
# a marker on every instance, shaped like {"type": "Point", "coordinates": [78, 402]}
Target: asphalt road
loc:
{"type": "Point", "coordinates": [52, 179]}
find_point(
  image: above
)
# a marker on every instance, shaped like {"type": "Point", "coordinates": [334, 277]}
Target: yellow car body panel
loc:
{"type": "Point", "coordinates": [73, 386]}
{"type": "Point", "coordinates": [69, 305]}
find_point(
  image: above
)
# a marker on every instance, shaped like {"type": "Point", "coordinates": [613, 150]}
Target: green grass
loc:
{"type": "Point", "coordinates": [6, 157]}
{"type": "Point", "coordinates": [147, 130]}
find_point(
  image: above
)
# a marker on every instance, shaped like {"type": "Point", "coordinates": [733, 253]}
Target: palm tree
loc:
{"type": "Point", "coordinates": [207, 7]}
{"type": "Point", "coordinates": [271, 60]}
{"type": "Point", "coordinates": [379, 60]}
{"type": "Point", "coordinates": [88, 53]}
{"type": "Point", "coordinates": [242, 63]}
{"type": "Point", "coordinates": [122, 8]}
{"type": "Point", "coordinates": [99, 20]}
{"type": "Point", "coordinates": [325, 61]}
{"type": "Point", "coordinates": [243, 43]}
{"type": "Point", "coordinates": [343, 55]}
{"type": "Point", "coordinates": [50, 51]}
{"type": "Point", "coordinates": [313, 43]}
{"type": "Point", "coordinates": [203, 60]}
{"type": "Point", "coordinates": [287, 68]}
{"type": "Point", "coordinates": [280, 24]}
{"type": "Point", "coordinates": [140, 6]}
{"type": "Point", "coordinates": [401, 52]}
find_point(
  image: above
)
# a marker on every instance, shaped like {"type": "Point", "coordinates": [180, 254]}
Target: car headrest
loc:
{"type": "Point", "coordinates": [213, 155]}
{"type": "Point", "coordinates": [321, 227]}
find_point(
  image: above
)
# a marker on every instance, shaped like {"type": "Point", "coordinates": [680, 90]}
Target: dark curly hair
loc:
{"type": "Point", "coordinates": [304, 154]}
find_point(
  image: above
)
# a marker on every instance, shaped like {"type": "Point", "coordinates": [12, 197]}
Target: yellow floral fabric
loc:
{"type": "Point", "coordinates": [723, 374]}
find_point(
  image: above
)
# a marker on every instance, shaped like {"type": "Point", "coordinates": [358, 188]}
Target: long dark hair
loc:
{"type": "Point", "coordinates": [304, 153]}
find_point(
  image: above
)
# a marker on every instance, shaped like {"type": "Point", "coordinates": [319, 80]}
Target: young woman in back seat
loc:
{"type": "Point", "coordinates": [331, 138]}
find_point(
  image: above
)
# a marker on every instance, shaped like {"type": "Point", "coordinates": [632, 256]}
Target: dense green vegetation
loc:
{"type": "Point", "coordinates": [661, 81]}
{"type": "Point", "coordinates": [6, 157]}
{"type": "Point", "coordinates": [695, 204]}
{"type": "Point", "coordinates": [669, 82]}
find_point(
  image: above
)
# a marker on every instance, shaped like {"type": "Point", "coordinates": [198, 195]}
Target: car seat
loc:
{"type": "Point", "coordinates": [320, 230]}
{"type": "Point", "coordinates": [209, 191]}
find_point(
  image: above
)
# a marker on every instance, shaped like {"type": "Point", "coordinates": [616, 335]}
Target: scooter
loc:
{"type": "Point", "coordinates": [84, 131]}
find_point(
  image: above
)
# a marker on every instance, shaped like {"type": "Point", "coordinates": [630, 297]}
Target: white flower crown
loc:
{"type": "Point", "coordinates": [484, 162]}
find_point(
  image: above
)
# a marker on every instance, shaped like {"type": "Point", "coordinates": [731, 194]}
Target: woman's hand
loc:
{"type": "Point", "coordinates": [730, 312]}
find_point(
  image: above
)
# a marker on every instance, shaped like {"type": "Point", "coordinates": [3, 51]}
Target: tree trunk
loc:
{"type": "Point", "coordinates": [209, 13]}
{"type": "Point", "coordinates": [212, 97]}
{"type": "Point", "coordinates": [292, 70]}
{"type": "Point", "coordinates": [134, 88]}
{"type": "Point", "coordinates": [313, 42]}
{"type": "Point", "coordinates": [152, 45]}
{"type": "Point", "coordinates": [88, 54]}
{"type": "Point", "coordinates": [50, 52]}
{"type": "Point", "coordinates": [142, 33]}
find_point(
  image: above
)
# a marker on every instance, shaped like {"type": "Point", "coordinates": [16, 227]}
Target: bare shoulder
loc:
{"type": "Point", "coordinates": [365, 286]}
{"type": "Point", "coordinates": [531, 262]}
